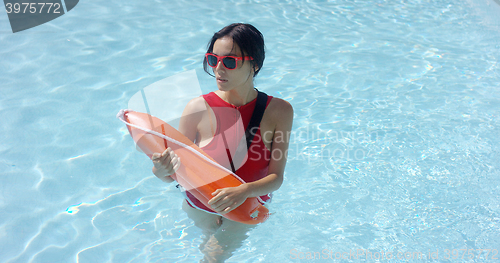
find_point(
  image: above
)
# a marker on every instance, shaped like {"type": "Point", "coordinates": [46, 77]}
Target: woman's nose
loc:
{"type": "Point", "coordinates": [219, 65]}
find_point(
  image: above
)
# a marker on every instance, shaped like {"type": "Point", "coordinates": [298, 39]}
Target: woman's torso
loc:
{"type": "Point", "coordinates": [222, 126]}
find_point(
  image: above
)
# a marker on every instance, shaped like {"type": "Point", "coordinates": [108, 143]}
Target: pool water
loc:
{"type": "Point", "coordinates": [394, 151]}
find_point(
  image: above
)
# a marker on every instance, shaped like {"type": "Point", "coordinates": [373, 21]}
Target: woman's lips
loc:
{"type": "Point", "coordinates": [221, 80]}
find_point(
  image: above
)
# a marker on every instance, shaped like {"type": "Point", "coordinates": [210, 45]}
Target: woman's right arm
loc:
{"type": "Point", "coordinates": [165, 164]}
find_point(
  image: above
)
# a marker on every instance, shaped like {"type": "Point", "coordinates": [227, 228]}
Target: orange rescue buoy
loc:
{"type": "Point", "coordinates": [198, 173]}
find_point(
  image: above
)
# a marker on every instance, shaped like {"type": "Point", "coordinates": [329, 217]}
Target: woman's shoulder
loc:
{"type": "Point", "coordinates": [280, 107]}
{"type": "Point", "coordinates": [196, 105]}
{"type": "Point", "coordinates": [280, 113]}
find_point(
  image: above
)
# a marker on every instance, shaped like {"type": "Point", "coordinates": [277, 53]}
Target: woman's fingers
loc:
{"type": "Point", "coordinates": [165, 155]}
{"type": "Point", "coordinates": [224, 205]}
{"type": "Point", "coordinates": [164, 160]}
{"type": "Point", "coordinates": [225, 200]}
{"type": "Point", "coordinates": [177, 163]}
{"type": "Point", "coordinates": [218, 199]}
{"type": "Point", "coordinates": [155, 156]}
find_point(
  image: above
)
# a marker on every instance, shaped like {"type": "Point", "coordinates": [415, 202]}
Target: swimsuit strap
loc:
{"type": "Point", "coordinates": [253, 125]}
{"type": "Point", "coordinates": [258, 112]}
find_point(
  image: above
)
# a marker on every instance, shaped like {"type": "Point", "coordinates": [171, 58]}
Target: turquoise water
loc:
{"type": "Point", "coordinates": [394, 147]}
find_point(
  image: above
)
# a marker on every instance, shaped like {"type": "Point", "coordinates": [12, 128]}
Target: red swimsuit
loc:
{"type": "Point", "coordinates": [251, 165]}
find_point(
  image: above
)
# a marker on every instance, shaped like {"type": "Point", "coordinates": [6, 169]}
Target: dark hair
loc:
{"type": "Point", "coordinates": [249, 40]}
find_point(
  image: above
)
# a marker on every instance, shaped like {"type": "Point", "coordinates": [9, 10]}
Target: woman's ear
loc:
{"type": "Point", "coordinates": [255, 68]}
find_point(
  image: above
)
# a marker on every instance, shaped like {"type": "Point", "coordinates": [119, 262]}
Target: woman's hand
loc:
{"type": "Point", "coordinates": [165, 164]}
{"type": "Point", "coordinates": [227, 199]}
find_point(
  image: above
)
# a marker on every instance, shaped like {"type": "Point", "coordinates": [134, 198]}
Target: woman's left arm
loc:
{"type": "Point", "coordinates": [227, 199]}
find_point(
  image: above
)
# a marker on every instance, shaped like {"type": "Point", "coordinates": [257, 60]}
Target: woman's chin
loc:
{"type": "Point", "coordinates": [223, 87]}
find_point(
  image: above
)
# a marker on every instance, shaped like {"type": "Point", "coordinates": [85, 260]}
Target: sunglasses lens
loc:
{"type": "Point", "coordinates": [229, 63]}
{"type": "Point", "coordinates": [212, 60]}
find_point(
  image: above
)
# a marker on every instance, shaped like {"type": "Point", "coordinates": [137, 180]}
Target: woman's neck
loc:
{"type": "Point", "coordinates": [238, 97]}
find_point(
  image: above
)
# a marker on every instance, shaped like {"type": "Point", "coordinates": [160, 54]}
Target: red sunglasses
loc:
{"type": "Point", "coordinates": [229, 62]}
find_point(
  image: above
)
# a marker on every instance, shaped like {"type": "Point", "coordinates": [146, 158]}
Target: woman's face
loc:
{"type": "Point", "coordinates": [238, 78]}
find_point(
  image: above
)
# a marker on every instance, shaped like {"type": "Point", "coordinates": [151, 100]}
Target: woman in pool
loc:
{"type": "Point", "coordinates": [235, 55]}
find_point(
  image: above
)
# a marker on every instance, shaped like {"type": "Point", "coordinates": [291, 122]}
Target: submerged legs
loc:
{"type": "Point", "coordinates": [221, 236]}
